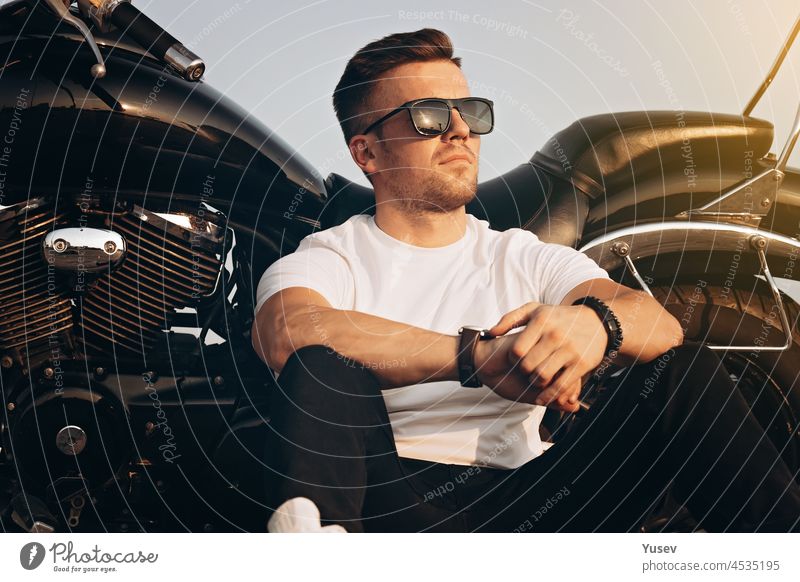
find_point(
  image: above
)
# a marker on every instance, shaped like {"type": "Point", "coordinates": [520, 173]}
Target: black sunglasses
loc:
{"type": "Point", "coordinates": [431, 115]}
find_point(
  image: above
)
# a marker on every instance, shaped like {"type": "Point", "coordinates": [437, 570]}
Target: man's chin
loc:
{"type": "Point", "coordinates": [458, 196]}
{"type": "Point", "coordinates": [446, 201]}
{"type": "Point", "coordinates": [442, 195]}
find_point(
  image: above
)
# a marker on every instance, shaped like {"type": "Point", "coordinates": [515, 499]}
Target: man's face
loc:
{"type": "Point", "coordinates": [413, 168]}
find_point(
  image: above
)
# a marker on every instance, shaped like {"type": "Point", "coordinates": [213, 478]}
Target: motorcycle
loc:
{"type": "Point", "coordinates": [139, 206]}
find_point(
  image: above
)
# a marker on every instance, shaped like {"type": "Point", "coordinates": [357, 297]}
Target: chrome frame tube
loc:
{"type": "Point", "coordinates": [774, 70]}
{"type": "Point", "coordinates": [790, 143]}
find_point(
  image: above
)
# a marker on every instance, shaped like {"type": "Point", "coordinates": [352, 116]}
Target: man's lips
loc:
{"type": "Point", "coordinates": [457, 157]}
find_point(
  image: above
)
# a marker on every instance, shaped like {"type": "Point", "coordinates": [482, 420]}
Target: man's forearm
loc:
{"type": "Point", "coordinates": [648, 329]}
{"type": "Point", "coordinates": [399, 354]}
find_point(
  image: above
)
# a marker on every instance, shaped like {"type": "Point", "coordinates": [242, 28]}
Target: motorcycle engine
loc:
{"type": "Point", "coordinates": [108, 281]}
{"type": "Point", "coordinates": [83, 283]}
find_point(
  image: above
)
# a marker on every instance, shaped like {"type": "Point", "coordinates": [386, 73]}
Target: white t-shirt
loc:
{"type": "Point", "coordinates": [473, 281]}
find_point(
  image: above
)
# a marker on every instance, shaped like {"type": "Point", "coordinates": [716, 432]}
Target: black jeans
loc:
{"type": "Point", "coordinates": [678, 420]}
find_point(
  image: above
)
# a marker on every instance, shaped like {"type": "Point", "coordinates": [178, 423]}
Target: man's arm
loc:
{"type": "Point", "coordinates": [561, 344]}
{"type": "Point", "coordinates": [648, 329]}
{"type": "Point", "coordinates": [398, 354]}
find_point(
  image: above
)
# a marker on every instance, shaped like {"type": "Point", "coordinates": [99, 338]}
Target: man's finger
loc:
{"type": "Point", "coordinates": [564, 391]}
{"type": "Point", "coordinates": [508, 322]}
{"type": "Point", "coordinates": [570, 383]}
{"type": "Point", "coordinates": [515, 318]}
{"type": "Point", "coordinates": [545, 364]}
{"type": "Point", "coordinates": [528, 350]}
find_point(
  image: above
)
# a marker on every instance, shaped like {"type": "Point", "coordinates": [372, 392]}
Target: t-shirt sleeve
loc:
{"type": "Point", "coordinates": [313, 266]}
{"type": "Point", "coordinates": [558, 269]}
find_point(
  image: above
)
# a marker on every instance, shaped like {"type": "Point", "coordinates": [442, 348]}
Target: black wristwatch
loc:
{"type": "Point", "coordinates": [470, 336]}
{"type": "Point", "coordinates": [609, 320]}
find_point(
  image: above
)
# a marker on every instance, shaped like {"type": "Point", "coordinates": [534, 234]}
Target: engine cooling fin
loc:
{"type": "Point", "coordinates": [35, 310]}
{"type": "Point", "coordinates": [167, 266]}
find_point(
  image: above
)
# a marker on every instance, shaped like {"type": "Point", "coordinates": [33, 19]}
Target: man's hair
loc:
{"type": "Point", "coordinates": [352, 96]}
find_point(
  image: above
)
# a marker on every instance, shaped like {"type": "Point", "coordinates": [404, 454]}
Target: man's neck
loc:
{"type": "Point", "coordinates": [425, 229]}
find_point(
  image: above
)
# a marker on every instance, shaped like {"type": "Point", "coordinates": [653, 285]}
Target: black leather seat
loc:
{"type": "Point", "coordinates": [650, 151]}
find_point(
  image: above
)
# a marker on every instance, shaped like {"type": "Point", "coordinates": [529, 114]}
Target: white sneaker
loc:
{"type": "Point", "coordinates": [299, 515]}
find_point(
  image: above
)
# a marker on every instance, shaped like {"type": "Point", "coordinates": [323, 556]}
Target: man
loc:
{"type": "Point", "coordinates": [389, 419]}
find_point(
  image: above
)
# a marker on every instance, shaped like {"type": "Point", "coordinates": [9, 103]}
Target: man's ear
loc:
{"type": "Point", "coordinates": [362, 153]}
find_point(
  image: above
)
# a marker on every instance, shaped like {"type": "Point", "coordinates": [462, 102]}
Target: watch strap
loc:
{"type": "Point", "coordinates": [469, 338]}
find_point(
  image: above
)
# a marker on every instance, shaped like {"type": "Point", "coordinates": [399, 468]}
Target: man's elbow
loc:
{"type": "Point", "coordinates": [271, 342]}
{"type": "Point", "coordinates": [675, 331]}
{"type": "Point", "coordinates": [259, 342]}
{"type": "Point", "coordinates": [669, 332]}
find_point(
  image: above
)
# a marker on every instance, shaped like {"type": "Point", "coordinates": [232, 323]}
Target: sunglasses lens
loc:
{"type": "Point", "coordinates": [477, 115]}
{"type": "Point", "coordinates": [433, 117]}
{"type": "Point", "coordinates": [430, 117]}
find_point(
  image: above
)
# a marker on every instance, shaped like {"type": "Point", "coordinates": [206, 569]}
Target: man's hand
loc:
{"type": "Point", "coordinates": [545, 362]}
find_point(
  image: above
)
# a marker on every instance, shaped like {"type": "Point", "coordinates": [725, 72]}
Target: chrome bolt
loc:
{"type": "Point", "coordinates": [765, 202]}
{"type": "Point", "coordinates": [11, 406]}
{"type": "Point", "coordinates": [49, 373]}
{"type": "Point", "coordinates": [758, 242]}
{"type": "Point", "coordinates": [6, 362]}
{"type": "Point", "coordinates": [219, 380]}
{"type": "Point", "coordinates": [621, 249]}
{"type": "Point", "coordinates": [110, 247]}
{"type": "Point", "coordinates": [60, 245]}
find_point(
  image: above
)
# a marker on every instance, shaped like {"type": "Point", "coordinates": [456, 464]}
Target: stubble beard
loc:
{"type": "Point", "coordinates": [438, 192]}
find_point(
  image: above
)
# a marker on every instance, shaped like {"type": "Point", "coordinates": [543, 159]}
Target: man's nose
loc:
{"type": "Point", "coordinates": [458, 127]}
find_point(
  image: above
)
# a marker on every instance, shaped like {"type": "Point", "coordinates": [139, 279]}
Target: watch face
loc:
{"type": "Point", "coordinates": [483, 333]}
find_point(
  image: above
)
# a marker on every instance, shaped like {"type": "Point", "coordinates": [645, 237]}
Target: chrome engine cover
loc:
{"type": "Point", "coordinates": [88, 250]}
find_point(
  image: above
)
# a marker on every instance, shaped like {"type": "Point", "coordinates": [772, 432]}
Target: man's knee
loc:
{"type": "Point", "coordinates": [696, 359]}
{"type": "Point", "coordinates": [317, 364]}
{"type": "Point", "coordinates": [687, 372]}
{"type": "Point", "coordinates": [685, 366]}
{"type": "Point", "coordinates": [318, 387]}
{"type": "Point", "coordinates": [306, 359]}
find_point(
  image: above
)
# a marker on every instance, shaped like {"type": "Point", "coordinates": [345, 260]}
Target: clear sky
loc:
{"type": "Point", "coordinates": [545, 63]}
